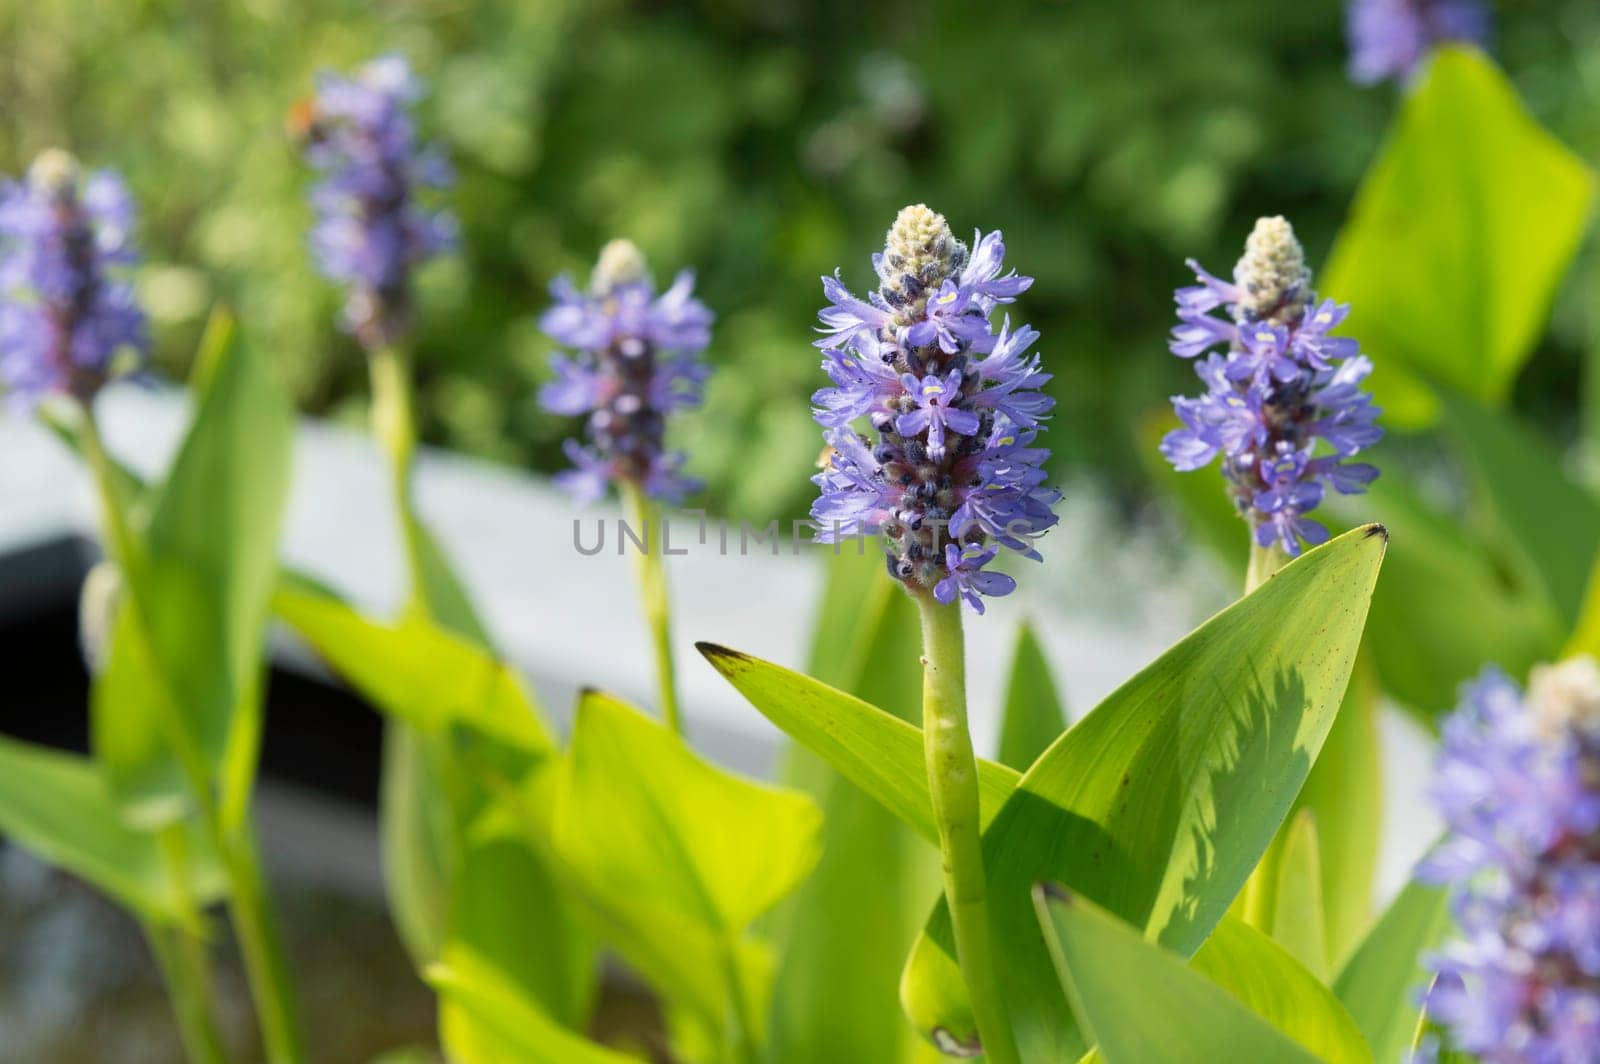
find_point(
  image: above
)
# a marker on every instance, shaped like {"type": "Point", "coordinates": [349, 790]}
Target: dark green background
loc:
{"type": "Point", "coordinates": [765, 143]}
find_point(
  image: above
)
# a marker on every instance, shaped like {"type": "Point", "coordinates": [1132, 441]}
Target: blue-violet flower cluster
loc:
{"type": "Point", "coordinates": [1279, 385]}
{"type": "Point", "coordinates": [1390, 38]}
{"type": "Point", "coordinates": [66, 313]}
{"type": "Point", "coordinates": [1518, 783]}
{"type": "Point", "coordinates": [952, 475]}
{"type": "Point", "coordinates": [637, 359]}
{"type": "Point", "coordinates": [370, 230]}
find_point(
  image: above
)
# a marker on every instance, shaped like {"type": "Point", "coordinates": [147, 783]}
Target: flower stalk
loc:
{"type": "Point", "coordinates": [645, 515]}
{"type": "Point", "coordinates": [953, 785]}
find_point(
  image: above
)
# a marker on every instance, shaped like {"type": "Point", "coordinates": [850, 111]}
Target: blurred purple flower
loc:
{"type": "Point", "coordinates": [371, 231]}
{"type": "Point", "coordinates": [1518, 784]}
{"type": "Point", "coordinates": [66, 310]}
{"type": "Point", "coordinates": [1390, 38]}
{"type": "Point", "coordinates": [1282, 385]}
{"type": "Point", "coordinates": [951, 476]}
{"type": "Point", "coordinates": [636, 358]}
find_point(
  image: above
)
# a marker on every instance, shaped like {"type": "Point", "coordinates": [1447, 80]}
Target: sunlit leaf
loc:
{"type": "Point", "coordinates": [877, 751]}
{"type": "Point", "coordinates": [1159, 803]}
{"type": "Point", "coordinates": [513, 1030]}
{"type": "Point", "coordinates": [1345, 794]}
{"type": "Point", "coordinates": [1464, 226]}
{"type": "Point", "coordinates": [415, 670]}
{"type": "Point", "coordinates": [1140, 1003]}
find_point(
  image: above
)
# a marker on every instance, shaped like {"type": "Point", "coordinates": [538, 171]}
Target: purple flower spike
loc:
{"type": "Point", "coordinates": [1518, 783]}
{"type": "Point", "coordinates": [66, 310]}
{"type": "Point", "coordinates": [637, 358]}
{"type": "Point", "coordinates": [1390, 38]}
{"type": "Point", "coordinates": [371, 231]}
{"type": "Point", "coordinates": [1281, 385]}
{"type": "Point", "coordinates": [952, 475]}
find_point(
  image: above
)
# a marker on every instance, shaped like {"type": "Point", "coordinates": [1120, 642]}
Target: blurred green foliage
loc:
{"type": "Point", "coordinates": [764, 142]}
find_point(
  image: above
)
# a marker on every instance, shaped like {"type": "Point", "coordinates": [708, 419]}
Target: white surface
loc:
{"type": "Point", "coordinates": [1103, 602]}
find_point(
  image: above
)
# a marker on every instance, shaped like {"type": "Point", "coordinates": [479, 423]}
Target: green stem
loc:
{"type": "Point", "coordinates": [645, 516]}
{"type": "Point", "coordinates": [953, 784]}
{"type": "Point", "coordinates": [1264, 561]}
{"type": "Point", "coordinates": [248, 900]}
{"type": "Point", "coordinates": [186, 987]}
{"type": "Point", "coordinates": [394, 424]}
{"type": "Point", "coordinates": [257, 929]}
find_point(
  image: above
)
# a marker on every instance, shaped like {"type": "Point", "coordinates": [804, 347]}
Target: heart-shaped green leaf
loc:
{"type": "Point", "coordinates": [1035, 715]}
{"type": "Point", "coordinates": [1158, 804]}
{"type": "Point", "coordinates": [1464, 226]}
{"type": "Point", "coordinates": [1380, 982]}
{"type": "Point", "coordinates": [1140, 1003]}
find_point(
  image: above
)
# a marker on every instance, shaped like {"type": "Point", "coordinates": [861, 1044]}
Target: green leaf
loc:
{"type": "Point", "coordinates": [877, 751]}
{"type": "Point", "coordinates": [419, 835]}
{"type": "Point", "coordinates": [841, 937]}
{"type": "Point", "coordinates": [444, 597]}
{"type": "Point", "coordinates": [1545, 522]}
{"type": "Point", "coordinates": [1345, 794]}
{"type": "Point", "coordinates": [415, 670]}
{"type": "Point", "coordinates": [187, 685]}
{"type": "Point", "coordinates": [1034, 713]}
{"type": "Point", "coordinates": [1379, 983]}
{"type": "Point", "coordinates": [513, 1028]}
{"type": "Point", "coordinates": [1298, 923]}
{"type": "Point", "coordinates": [1159, 803]}
{"type": "Point", "coordinates": [510, 907]}
{"type": "Point", "coordinates": [678, 857]}
{"type": "Point", "coordinates": [1273, 985]}
{"type": "Point", "coordinates": [1443, 608]}
{"type": "Point", "coordinates": [58, 806]}
{"type": "Point", "coordinates": [1139, 1003]}
{"type": "Point", "coordinates": [1461, 232]}
{"type": "Point", "coordinates": [639, 809]}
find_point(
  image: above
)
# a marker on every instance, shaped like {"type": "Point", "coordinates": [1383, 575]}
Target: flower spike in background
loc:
{"type": "Point", "coordinates": [371, 231]}
{"type": "Point", "coordinates": [1390, 38]}
{"type": "Point", "coordinates": [66, 312]}
{"type": "Point", "coordinates": [1518, 783]}
{"type": "Point", "coordinates": [955, 406]}
{"type": "Point", "coordinates": [1279, 386]}
{"type": "Point", "coordinates": [637, 359]}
